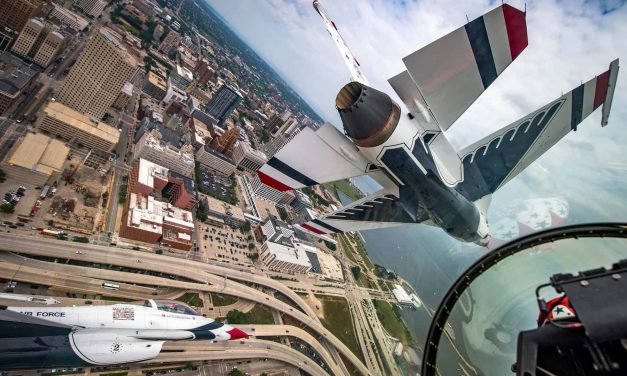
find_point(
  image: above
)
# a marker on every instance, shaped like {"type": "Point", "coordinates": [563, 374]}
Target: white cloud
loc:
{"type": "Point", "coordinates": [569, 42]}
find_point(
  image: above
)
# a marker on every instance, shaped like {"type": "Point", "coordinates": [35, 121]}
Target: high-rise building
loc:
{"type": "Point", "coordinates": [151, 147]}
{"type": "Point", "coordinates": [99, 74]}
{"type": "Point", "coordinates": [38, 42]}
{"type": "Point", "coordinates": [267, 192]}
{"type": "Point", "coordinates": [226, 143]}
{"type": "Point", "coordinates": [155, 86]}
{"type": "Point", "coordinates": [181, 77]}
{"type": "Point", "coordinates": [247, 158]}
{"type": "Point", "coordinates": [215, 161]}
{"type": "Point", "coordinates": [92, 7]}
{"type": "Point", "coordinates": [203, 72]}
{"type": "Point", "coordinates": [15, 13]}
{"type": "Point", "coordinates": [29, 34]}
{"type": "Point", "coordinates": [284, 258]}
{"type": "Point", "coordinates": [223, 103]}
{"type": "Point", "coordinates": [274, 145]}
{"type": "Point", "coordinates": [170, 42]}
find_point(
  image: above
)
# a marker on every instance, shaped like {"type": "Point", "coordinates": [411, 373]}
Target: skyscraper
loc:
{"type": "Point", "coordinates": [15, 13]}
{"type": "Point", "coordinates": [38, 43]}
{"type": "Point", "coordinates": [223, 103]}
{"type": "Point", "coordinates": [225, 143]}
{"type": "Point", "coordinates": [99, 74]}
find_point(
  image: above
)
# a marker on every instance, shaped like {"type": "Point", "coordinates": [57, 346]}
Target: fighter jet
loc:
{"type": "Point", "coordinates": [424, 178]}
{"type": "Point", "coordinates": [47, 337]}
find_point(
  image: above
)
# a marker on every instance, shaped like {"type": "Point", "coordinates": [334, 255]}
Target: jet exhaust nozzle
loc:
{"type": "Point", "coordinates": [369, 116]}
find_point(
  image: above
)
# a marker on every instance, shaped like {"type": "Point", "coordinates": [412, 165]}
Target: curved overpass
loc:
{"type": "Point", "coordinates": [185, 351]}
{"type": "Point", "coordinates": [105, 255]}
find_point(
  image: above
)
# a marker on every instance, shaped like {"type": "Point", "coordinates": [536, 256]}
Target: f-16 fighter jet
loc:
{"type": "Point", "coordinates": [425, 179]}
{"type": "Point", "coordinates": [48, 337]}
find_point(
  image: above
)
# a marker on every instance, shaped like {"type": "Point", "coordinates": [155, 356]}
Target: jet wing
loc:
{"type": "Point", "coordinates": [445, 77]}
{"type": "Point", "coordinates": [314, 157]}
{"type": "Point", "coordinates": [496, 159]}
{"type": "Point", "coordinates": [379, 210]}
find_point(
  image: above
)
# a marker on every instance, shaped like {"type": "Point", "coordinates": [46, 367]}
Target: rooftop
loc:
{"type": "Point", "coordinates": [15, 75]}
{"type": "Point", "coordinates": [39, 153]}
{"type": "Point", "coordinates": [145, 213]}
{"type": "Point", "coordinates": [148, 171]}
{"type": "Point", "coordinates": [223, 208]}
{"type": "Point", "coordinates": [157, 80]}
{"type": "Point", "coordinates": [289, 254]}
{"type": "Point", "coordinates": [209, 150]}
{"type": "Point", "coordinates": [128, 89]}
{"type": "Point", "coordinates": [83, 122]}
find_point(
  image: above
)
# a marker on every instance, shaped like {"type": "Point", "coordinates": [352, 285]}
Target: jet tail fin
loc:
{"type": "Point", "coordinates": [612, 75]}
{"type": "Point", "coordinates": [347, 55]}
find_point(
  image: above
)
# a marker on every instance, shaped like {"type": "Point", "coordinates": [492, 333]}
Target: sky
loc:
{"type": "Point", "coordinates": [569, 42]}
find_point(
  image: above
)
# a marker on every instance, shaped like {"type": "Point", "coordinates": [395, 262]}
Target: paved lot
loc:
{"type": "Point", "coordinates": [223, 244]}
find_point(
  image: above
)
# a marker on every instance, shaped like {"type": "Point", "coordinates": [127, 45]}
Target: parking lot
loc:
{"type": "Point", "coordinates": [223, 244]}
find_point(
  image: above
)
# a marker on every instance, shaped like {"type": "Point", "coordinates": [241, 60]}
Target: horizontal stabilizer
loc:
{"type": "Point", "coordinates": [494, 160]}
{"type": "Point", "coordinates": [445, 77]}
{"type": "Point", "coordinates": [314, 157]}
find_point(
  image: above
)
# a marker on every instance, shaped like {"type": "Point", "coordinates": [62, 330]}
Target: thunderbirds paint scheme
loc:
{"type": "Point", "coordinates": [425, 179]}
{"type": "Point", "coordinates": [46, 337]}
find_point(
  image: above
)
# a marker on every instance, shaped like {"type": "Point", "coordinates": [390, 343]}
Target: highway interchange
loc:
{"type": "Point", "coordinates": [82, 277]}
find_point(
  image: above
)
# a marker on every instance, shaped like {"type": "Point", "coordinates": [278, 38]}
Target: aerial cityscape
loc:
{"type": "Point", "coordinates": [173, 202]}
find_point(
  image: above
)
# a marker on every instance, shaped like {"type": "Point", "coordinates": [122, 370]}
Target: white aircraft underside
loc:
{"type": "Point", "coordinates": [44, 337]}
{"type": "Point", "coordinates": [425, 179]}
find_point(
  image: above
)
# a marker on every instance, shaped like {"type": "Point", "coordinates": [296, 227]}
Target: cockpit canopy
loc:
{"type": "Point", "coordinates": [172, 306]}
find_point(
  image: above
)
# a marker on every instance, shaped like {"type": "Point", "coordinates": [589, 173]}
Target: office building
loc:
{"type": "Point", "coordinates": [223, 103]}
{"type": "Point", "coordinates": [180, 191]}
{"type": "Point", "coordinates": [155, 86]}
{"type": "Point", "coordinates": [124, 96]}
{"type": "Point", "coordinates": [220, 212]}
{"type": "Point", "coordinates": [301, 203]}
{"type": "Point", "coordinates": [151, 147]}
{"type": "Point", "coordinates": [147, 178]}
{"type": "Point", "coordinates": [284, 258]}
{"type": "Point", "coordinates": [274, 230]}
{"type": "Point", "coordinates": [181, 77]}
{"type": "Point", "coordinates": [248, 159]}
{"type": "Point", "coordinates": [98, 75]}
{"type": "Point", "coordinates": [203, 72]}
{"type": "Point", "coordinates": [38, 42]}
{"type": "Point", "coordinates": [35, 159]}
{"type": "Point", "coordinates": [225, 143]}
{"type": "Point", "coordinates": [213, 160]}
{"type": "Point", "coordinates": [60, 120]}
{"type": "Point", "coordinates": [267, 192]}
{"type": "Point", "coordinates": [157, 32]}
{"type": "Point", "coordinates": [68, 18]}
{"type": "Point", "coordinates": [170, 43]}
{"type": "Point", "coordinates": [15, 13]}
{"type": "Point", "coordinates": [149, 220]}
{"type": "Point", "coordinates": [277, 143]}
{"type": "Point", "coordinates": [174, 93]}
{"type": "Point", "coordinates": [15, 77]}
{"type": "Point", "coordinates": [93, 8]}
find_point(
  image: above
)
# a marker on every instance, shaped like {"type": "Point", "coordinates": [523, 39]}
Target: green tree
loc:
{"type": "Point", "coordinates": [356, 271]}
{"type": "Point", "coordinates": [236, 317]}
{"type": "Point", "coordinates": [159, 251]}
{"type": "Point", "coordinates": [251, 246]}
{"type": "Point", "coordinates": [7, 208]}
{"type": "Point", "coordinates": [236, 372]}
{"type": "Point", "coordinates": [265, 136]}
{"type": "Point", "coordinates": [246, 226]}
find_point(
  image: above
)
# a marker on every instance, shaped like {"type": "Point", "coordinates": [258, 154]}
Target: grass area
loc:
{"type": "Point", "coordinates": [337, 318]}
{"type": "Point", "coordinates": [348, 249]}
{"type": "Point", "coordinates": [383, 285]}
{"type": "Point", "coordinates": [347, 188]}
{"type": "Point", "coordinates": [192, 299]}
{"type": "Point", "coordinates": [222, 300]}
{"type": "Point", "coordinates": [392, 322]}
{"type": "Point", "coordinates": [258, 315]}
{"type": "Point", "coordinates": [359, 245]}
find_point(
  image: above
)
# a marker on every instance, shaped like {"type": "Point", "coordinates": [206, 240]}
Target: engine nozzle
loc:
{"type": "Point", "coordinates": [369, 116]}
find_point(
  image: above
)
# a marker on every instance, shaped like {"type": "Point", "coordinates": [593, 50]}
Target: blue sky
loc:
{"type": "Point", "coordinates": [569, 42]}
